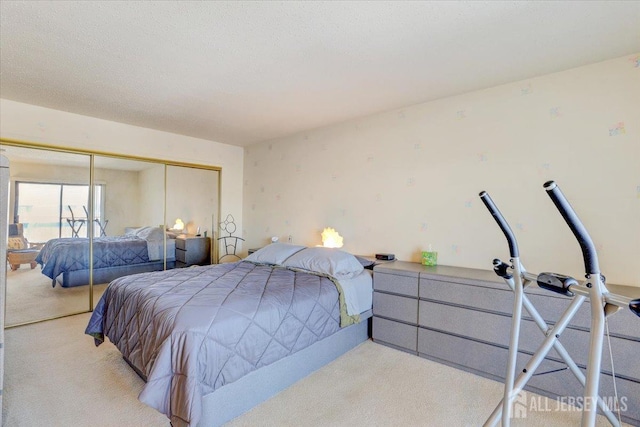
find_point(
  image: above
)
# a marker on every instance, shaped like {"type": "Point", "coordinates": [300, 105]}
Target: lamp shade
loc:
{"type": "Point", "coordinates": [331, 238]}
{"type": "Point", "coordinates": [179, 225]}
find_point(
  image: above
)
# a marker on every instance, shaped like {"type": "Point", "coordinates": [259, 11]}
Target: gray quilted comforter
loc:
{"type": "Point", "coordinates": [69, 254]}
{"type": "Point", "coordinates": [190, 331]}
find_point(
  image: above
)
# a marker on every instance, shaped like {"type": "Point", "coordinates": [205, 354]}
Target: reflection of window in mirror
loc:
{"type": "Point", "coordinates": [56, 209]}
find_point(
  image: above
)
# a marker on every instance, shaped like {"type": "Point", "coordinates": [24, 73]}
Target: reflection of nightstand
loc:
{"type": "Point", "coordinates": [192, 250]}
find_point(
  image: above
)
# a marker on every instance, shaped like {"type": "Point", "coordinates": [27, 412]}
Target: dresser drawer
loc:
{"type": "Point", "coordinates": [549, 306]}
{"type": "Point", "coordinates": [625, 353]}
{"type": "Point", "coordinates": [395, 307]}
{"type": "Point", "coordinates": [398, 334]}
{"type": "Point", "coordinates": [395, 283]}
{"type": "Point", "coordinates": [475, 355]}
{"type": "Point", "coordinates": [628, 395]}
{"type": "Point", "coordinates": [467, 295]}
{"type": "Point", "coordinates": [479, 325]}
{"type": "Point", "coordinates": [181, 244]}
{"type": "Point", "coordinates": [193, 250]}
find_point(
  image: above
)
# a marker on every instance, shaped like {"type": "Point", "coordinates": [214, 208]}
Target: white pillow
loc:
{"type": "Point", "coordinates": [330, 261]}
{"type": "Point", "coordinates": [275, 253]}
{"type": "Point", "coordinates": [132, 231]}
{"type": "Point", "coordinates": [150, 234]}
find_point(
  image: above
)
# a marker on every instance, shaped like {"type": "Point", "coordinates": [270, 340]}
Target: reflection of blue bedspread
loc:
{"type": "Point", "coordinates": [60, 255]}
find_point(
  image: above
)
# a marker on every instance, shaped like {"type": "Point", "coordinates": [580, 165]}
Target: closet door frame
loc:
{"type": "Point", "coordinates": [90, 223]}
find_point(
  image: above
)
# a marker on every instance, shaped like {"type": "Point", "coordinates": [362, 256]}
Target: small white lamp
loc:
{"type": "Point", "coordinates": [331, 238]}
{"type": "Point", "coordinates": [179, 225]}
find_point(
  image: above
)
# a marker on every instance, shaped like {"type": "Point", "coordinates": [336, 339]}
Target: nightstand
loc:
{"type": "Point", "coordinates": [192, 250]}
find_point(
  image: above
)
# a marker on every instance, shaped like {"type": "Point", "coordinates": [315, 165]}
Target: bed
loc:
{"type": "Point", "coordinates": [211, 342]}
{"type": "Point", "coordinates": [66, 261]}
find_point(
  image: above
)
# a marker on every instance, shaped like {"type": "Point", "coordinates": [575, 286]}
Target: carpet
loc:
{"type": "Point", "coordinates": [30, 297]}
{"type": "Point", "coordinates": [55, 376]}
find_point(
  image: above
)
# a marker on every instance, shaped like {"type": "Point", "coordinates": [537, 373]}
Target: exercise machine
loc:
{"type": "Point", "coordinates": [76, 223]}
{"type": "Point", "coordinates": [603, 304]}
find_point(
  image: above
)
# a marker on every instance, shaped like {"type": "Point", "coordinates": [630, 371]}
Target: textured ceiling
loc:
{"type": "Point", "coordinates": [243, 72]}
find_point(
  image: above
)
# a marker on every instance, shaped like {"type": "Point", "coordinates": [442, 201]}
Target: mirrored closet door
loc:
{"type": "Point", "coordinates": [128, 218]}
{"type": "Point", "coordinates": [78, 220]}
{"type": "Point", "coordinates": [49, 192]}
{"type": "Point", "coordinates": [191, 208]}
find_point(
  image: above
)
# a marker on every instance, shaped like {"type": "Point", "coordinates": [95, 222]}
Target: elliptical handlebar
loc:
{"type": "Point", "coordinates": [495, 212]}
{"type": "Point", "coordinates": [571, 218]}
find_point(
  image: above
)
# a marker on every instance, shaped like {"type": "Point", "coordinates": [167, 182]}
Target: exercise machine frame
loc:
{"type": "Point", "coordinates": [603, 304]}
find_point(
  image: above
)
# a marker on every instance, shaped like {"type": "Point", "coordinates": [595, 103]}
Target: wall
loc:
{"type": "Point", "coordinates": [151, 194]}
{"type": "Point", "coordinates": [37, 124]}
{"type": "Point", "coordinates": [121, 205]}
{"type": "Point", "coordinates": [399, 181]}
{"type": "Point", "coordinates": [187, 200]}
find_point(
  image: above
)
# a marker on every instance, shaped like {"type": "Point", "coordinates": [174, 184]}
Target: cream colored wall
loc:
{"type": "Point", "coordinates": [37, 124]}
{"type": "Point", "coordinates": [188, 199]}
{"type": "Point", "coordinates": [151, 196]}
{"type": "Point", "coordinates": [121, 205]}
{"type": "Point", "coordinates": [399, 181]}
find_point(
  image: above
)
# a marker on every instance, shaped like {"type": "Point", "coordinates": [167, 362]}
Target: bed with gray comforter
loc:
{"type": "Point", "coordinates": [190, 331]}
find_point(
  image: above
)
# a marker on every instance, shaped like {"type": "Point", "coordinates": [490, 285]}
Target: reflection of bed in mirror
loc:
{"type": "Point", "coordinates": [140, 250]}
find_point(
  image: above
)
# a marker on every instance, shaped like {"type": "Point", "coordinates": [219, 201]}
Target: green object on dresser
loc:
{"type": "Point", "coordinates": [429, 258]}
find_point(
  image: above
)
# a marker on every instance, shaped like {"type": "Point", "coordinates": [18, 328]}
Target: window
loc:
{"type": "Point", "coordinates": [48, 210]}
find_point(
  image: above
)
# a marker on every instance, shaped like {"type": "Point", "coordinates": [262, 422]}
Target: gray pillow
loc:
{"type": "Point", "coordinates": [329, 261]}
{"type": "Point", "coordinates": [275, 253]}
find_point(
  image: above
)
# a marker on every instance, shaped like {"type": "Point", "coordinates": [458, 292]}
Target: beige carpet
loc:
{"type": "Point", "coordinates": [30, 297]}
{"type": "Point", "coordinates": [56, 377]}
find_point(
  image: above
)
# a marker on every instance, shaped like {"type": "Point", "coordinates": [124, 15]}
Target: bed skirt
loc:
{"type": "Point", "coordinates": [73, 278]}
{"type": "Point", "coordinates": [240, 396]}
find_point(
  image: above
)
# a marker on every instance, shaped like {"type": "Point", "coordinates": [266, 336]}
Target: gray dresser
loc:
{"type": "Point", "coordinates": [192, 250]}
{"type": "Point", "coordinates": [461, 317]}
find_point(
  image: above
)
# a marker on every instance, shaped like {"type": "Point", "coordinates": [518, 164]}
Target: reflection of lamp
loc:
{"type": "Point", "coordinates": [331, 238]}
{"type": "Point", "coordinates": [179, 225]}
